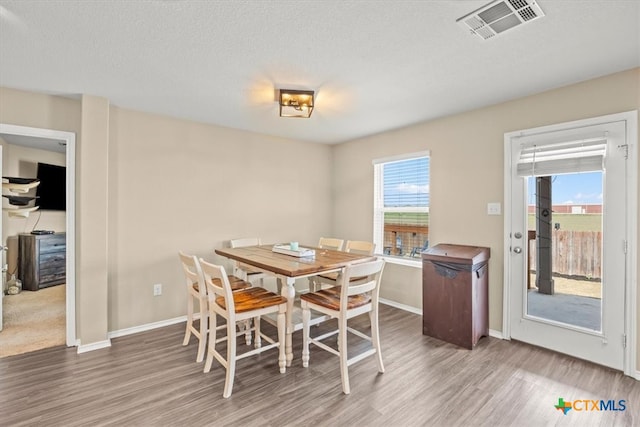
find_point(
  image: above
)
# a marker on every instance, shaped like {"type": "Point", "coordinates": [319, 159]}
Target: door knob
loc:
{"type": "Point", "coordinates": [517, 249]}
{"type": "Point", "coordinates": [518, 235]}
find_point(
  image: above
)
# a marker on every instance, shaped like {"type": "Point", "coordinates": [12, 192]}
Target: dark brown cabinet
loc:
{"type": "Point", "coordinates": [455, 302]}
{"type": "Point", "coordinates": [42, 260]}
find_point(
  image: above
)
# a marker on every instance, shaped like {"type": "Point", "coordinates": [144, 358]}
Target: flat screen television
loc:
{"type": "Point", "coordinates": [52, 191]}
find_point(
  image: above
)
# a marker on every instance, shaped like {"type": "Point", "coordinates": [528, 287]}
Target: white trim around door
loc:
{"type": "Point", "coordinates": [630, 144]}
{"type": "Point", "coordinates": [68, 138]}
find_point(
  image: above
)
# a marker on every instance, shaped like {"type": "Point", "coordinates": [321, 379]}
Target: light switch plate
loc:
{"type": "Point", "coordinates": [494, 208]}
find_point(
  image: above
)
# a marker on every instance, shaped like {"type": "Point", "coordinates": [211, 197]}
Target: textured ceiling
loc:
{"type": "Point", "coordinates": [375, 65]}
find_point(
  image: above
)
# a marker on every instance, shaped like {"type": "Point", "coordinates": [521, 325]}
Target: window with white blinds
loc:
{"type": "Point", "coordinates": [584, 155]}
{"type": "Point", "coordinates": [401, 205]}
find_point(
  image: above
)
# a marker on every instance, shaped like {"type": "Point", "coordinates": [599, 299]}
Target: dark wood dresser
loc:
{"type": "Point", "coordinates": [42, 260]}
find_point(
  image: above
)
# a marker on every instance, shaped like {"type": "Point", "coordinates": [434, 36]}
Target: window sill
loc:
{"type": "Point", "coordinates": [415, 263]}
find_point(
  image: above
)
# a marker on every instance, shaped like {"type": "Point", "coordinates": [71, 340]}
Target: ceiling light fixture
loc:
{"type": "Point", "coordinates": [296, 103]}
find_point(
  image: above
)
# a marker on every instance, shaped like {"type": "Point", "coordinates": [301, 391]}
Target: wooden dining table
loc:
{"type": "Point", "coordinates": [286, 269]}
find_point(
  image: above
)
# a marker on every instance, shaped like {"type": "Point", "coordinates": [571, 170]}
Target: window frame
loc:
{"type": "Point", "coordinates": [379, 209]}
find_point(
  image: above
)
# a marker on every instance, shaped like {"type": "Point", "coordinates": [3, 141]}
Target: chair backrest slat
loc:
{"type": "Point", "coordinates": [360, 247]}
{"type": "Point", "coordinates": [193, 272]}
{"type": "Point", "coordinates": [370, 274]}
{"type": "Point", "coordinates": [245, 241]}
{"type": "Point", "coordinates": [330, 243]}
{"type": "Point", "coordinates": [217, 284]}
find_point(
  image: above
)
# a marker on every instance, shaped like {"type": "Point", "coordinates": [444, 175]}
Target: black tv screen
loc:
{"type": "Point", "coordinates": [52, 191]}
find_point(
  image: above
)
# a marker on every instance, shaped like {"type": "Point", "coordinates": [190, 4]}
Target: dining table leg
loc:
{"type": "Point", "coordinates": [288, 291]}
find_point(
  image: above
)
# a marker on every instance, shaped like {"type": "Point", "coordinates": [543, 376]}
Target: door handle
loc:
{"type": "Point", "coordinates": [517, 249]}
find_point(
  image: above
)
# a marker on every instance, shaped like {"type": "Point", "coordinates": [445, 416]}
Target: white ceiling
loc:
{"type": "Point", "coordinates": [375, 65]}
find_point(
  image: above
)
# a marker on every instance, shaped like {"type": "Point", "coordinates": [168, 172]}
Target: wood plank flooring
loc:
{"type": "Point", "coordinates": [150, 379]}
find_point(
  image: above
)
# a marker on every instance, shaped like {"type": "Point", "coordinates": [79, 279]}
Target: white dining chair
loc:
{"type": "Point", "coordinates": [325, 243]}
{"type": "Point", "coordinates": [330, 243]}
{"type": "Point", "coordinates": [246, 271]}
{"type": "Point", "coordinates": [360, 247]}
{"type": "Point", "coordinates": [354, 299]}
{"type": "Point", "coordinates": [240, 306]}
{"type": "Point", "coordinates": [197, 292]}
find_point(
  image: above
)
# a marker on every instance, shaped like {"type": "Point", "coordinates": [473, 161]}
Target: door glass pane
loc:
{"type": "Point", "coordinates": [565, 249]}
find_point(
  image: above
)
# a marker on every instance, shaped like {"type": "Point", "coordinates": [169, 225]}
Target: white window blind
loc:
{"type": "Point", "coordinates": [585, 155]}
{"type": "Point", "coordinates": [401, 204]}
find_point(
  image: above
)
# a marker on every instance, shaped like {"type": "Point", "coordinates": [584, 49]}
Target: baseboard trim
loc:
{"type": "Point", "coordinates": [168, 322]}
{"type": "Point", "coordinates": [404, 307]}
{"type": "Point", "coordinates": [149, 326]}
{"type": "Point", "coordinates": [496, 334]}
{"type": "Point", "coordinates": [94, 346]}
{"type": "Point", "coordinates": [414, 310]}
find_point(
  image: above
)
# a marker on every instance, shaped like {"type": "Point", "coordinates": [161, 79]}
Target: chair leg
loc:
{"type": "Point", "coordinates": [375, 337]}
{"type": "Point", "coordinates": [247, 331]}
{"type": "Point", "coordinates": [211, 347]}
{"type": "Point", "coordinates": [342, 348]}
{"type": "Point", "coordinates": [187, 333]}
{"type": "Point", "coordinates": [257, 340]}
{"type": "Point", "coordinates": [202, 345]}
{"type": "Point", "coordinates": [306, 318]}
{"type": "Point", "coordinates": [282, 357]}
{"type": "Point", "coordinates": [231, 359]}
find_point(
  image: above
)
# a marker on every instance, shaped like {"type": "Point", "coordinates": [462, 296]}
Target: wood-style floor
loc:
{"type": "Point", "coordinates": [150, 379]}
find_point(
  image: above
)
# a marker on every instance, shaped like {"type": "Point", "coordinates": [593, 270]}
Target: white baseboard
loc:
{"type": "Point", "coordinates": [496, 334]}
{"type": "Point", "coordinates": [404, 307]}
{"type": "Point", "coordinates": [414, 310]}
{"type": "Point", "coordinates": [168, 322]}
{"type": "Point", "coordinates": [149, 326]}
{"type": "Point", "coordinates": [129, 331]}
{"type": "Point", "coordinates": [94, 346]}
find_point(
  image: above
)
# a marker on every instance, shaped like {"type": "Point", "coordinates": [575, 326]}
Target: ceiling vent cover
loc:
{"type": "Point", "coordinates": [499, 16]}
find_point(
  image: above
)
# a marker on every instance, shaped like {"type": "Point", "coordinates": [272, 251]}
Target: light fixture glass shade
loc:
{"type": "Point", "coordinates": [296, 103]}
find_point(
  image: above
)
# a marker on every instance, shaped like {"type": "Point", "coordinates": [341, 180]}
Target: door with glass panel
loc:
{"type": "Point", "coordinates": [567, 228]}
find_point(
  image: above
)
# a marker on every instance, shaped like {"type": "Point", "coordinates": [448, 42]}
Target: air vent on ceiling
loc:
{"type": "Point", "coordinates": [499, 16]}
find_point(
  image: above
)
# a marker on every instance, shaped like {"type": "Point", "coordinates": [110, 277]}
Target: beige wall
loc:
{"type": "Point", "coordinates": [466, 172]}
{"type": "Point", "coordinates": [92, 156]}
{"type": "Point", "coordinates": [178, 185]}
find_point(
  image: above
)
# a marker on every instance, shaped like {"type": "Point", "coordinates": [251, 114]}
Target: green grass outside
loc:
{"type": "Point", "coordinates": [568, 222]}
{"type": "Point", "coordinates": [406, 218]}
{"type": "Point", "coordinates": [572, 222]}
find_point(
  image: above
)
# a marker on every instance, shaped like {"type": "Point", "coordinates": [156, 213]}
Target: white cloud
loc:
{"type": "Point", "coordinates": [412, 188]}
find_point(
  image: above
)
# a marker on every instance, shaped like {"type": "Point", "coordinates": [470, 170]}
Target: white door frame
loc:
{"type": "Point", "coordinates": [631, 305]}
{"type": "Point", "coordinates": [70, 139]}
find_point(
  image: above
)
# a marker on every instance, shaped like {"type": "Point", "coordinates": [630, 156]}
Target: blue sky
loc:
{"type": "Point", "coordinates": [407, 182]}
{"type": "Point", "coordinates": [573, 189]}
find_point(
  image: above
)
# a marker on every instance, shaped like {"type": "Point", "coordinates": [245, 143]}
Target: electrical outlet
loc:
{"type": "Point", "coordinates": [157, 289]}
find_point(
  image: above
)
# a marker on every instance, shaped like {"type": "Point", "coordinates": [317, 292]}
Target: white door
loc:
{"type": "Point", "coordinates": [587, 326]}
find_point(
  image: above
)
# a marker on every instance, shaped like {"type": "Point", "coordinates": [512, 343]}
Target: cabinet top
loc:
{"type": "Point", "coordinates": [62, 233]}
{"type": "Point", "coordinates": [459, 254]}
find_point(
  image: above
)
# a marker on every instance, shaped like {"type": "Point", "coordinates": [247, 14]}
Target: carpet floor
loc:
{"type": "Point", "coordinates": [33, 321]}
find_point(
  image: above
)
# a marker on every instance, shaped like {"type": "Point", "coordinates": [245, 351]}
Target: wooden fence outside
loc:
{"type": "Point", "coordinates": [404, 239]}
{"type": "Point", "coordinates": [575, 253]}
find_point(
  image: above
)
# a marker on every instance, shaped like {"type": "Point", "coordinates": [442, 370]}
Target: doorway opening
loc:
{"type": "Point", "coordinates": [29, 138]}
{"type": "Point", "coordinates": [564, 216]}
{"type": "Point", "coordinates": [571, 238]}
